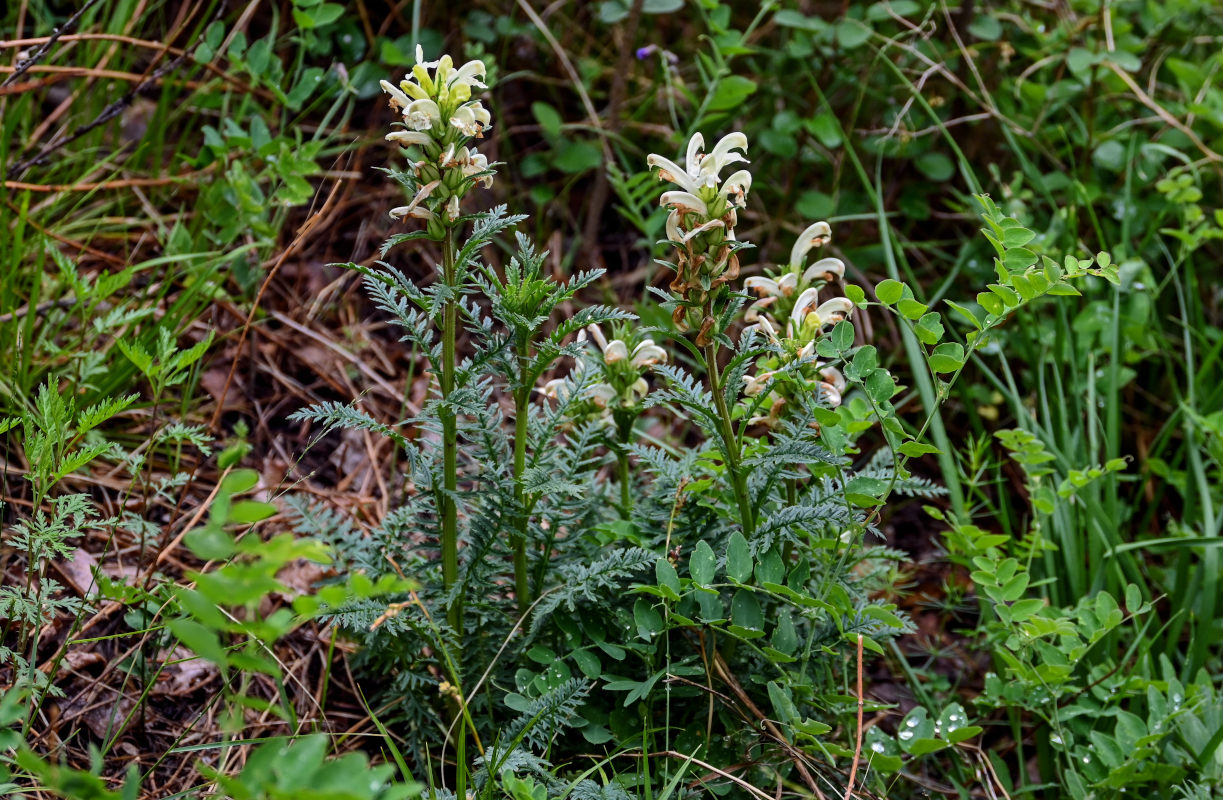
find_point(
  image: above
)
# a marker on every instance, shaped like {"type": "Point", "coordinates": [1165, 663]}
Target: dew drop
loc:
{"type": "Point", "coordinates": [906, 735]}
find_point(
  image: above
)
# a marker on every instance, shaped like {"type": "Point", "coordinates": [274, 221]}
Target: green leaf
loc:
{"type": "Point", "coordinates": [866, 359]}
{"type": "Point", "coordinates": [739, 563]}
{"type": "Point", "coordinates": [1017, 237]}
{"type": "Point", "coordinates": [240, 480]}
{"type": "Point", "coordinates": [1024, 609]}
{"type": "Point", "coordinates": [576, 157]}
{"type": "Point", "coordinates": [967, 314]}
{"type": "Point", "coordinates": [985, 27]}
{"type": "Point", "coordinates": [916, 449]}
{"type": "Point", "coordinates": [732, 91]}
{"type": "Point", "coordinates": [880, 385]}
{"type": "Point", "coordinates": [247, 512]}
{"type": "Point", "coordinates": [851, 33]}
{"type": "Point", "coordinates": [843, 336]}
{"type": "Point", "coordinates": [883, 615]}
{"type": "Point", "coordinates": [649, 621]}
{"type": "Point", "coordinates": [703, 565]}
{"type": "Point", "coordinates": [745, 610]}
{"type": "Point", "coordinates": [947, 357]}
{"type": "Point", "coordinates": [910, 308]}
{"type": "Point", "coordinates": [199, 640]}
{"type": "Point", "coordinates": [889, 291]}
{"type": "Point", "coordinates": [210, 543]}
{"type": "Point", "coordinates": [936, 166]}
{"type": "Point", "coordinates": [666, 576]}
{"type": "Point", "coordinates": [813, 204]}
{"type": "Point", "coordinates": [549, 119]}
{"type": "Point", "coordinates": [1018, 259]}
{"type": "Point", "coordinates": [921, 747]}
{"type": "Point", "coordinates": [785, 636]}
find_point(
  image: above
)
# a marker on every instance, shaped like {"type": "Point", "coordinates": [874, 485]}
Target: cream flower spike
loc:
{"type": "Point", "coordinates": [668, 170]}
{"type": "Point", "coordinates": [816, 235]}
{"type": "Point", "coordinates": [833, 377]}
{"type": "Point", "coordinates": [698, 230]}
{"type": "Point", "coordinates": [471, 119]}
{"type": "Point", "coordinates": [764, 326]}
{"type": "Point", "coordinates": [595, 333]}
{"type": "Point", "coordinates": [703, 170]}
{"type": "Point", "coordinates": [411, 209]}
{"type": "Point", "coordinates": [556, 388]}
{"type": "Point", "coordinates": [754, 384]}
{"type": "Point", "coordinates": [834, 310]}
{"type": "Point", "coordinates": [830, 394]}
{"type": "Point", "coordinates": [692, 159]}
{"type": "Point", "coordinates": [420, 59]}
{"type": "Point", "coordinates": [601, 394]}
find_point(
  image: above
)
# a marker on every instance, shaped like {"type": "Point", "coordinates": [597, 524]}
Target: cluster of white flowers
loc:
{"type": "Point", "coordinates": [621, 365]}
{"type": "Point", "coordinates": [701, 223]}
{"type": "Point", "coordinates": [440, 117]}
{"type": "Point", "coordinates": [793, 295]}
{"type": "Point", "coordinates": [704, 201]}
{"type": "Point", "coordinates": [790, 314]}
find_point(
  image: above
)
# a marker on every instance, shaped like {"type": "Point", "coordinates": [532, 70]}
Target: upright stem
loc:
{"type": "Point", "coordinates": [626, 494]}
{"type": "Point", "coordinates": [730, 442]}
{"type": "Point", "coordinates": [450, 439]}
{"type": "Point", "coordinates": [522, 583]}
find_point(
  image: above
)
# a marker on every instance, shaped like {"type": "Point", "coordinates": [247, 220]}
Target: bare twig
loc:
{"type": "Point", "coordinates": [853, 770]}
{"type": "Point", "coordinates": [42, 50]}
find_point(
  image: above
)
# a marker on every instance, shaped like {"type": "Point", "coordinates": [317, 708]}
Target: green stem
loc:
{"type": "Point", "coordinates": [626, 494]}
{"type": "Point", "coordinates": [522, 584]}
{"type": "Point", "coordinates": [450, 439]}
{"type": "Point", "coordinates": [730, 442]}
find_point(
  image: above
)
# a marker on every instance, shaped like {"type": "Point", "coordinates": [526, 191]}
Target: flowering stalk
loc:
{"type": "Point", "coordinates": [701, 226]}
{"type": "Point", "coordinates": [439, 120]}
{"type": "Point", "coordinates": [450, 438]}
{"type": "Point", "coordinates": [730, 443]}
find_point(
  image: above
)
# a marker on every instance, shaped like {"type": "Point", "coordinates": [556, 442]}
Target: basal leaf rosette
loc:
{"type": "Point", "coordinates": [439, 121]}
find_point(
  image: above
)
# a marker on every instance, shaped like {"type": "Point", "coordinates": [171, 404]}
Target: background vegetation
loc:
{"type": "Point", "coordinates": [202, 595]}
